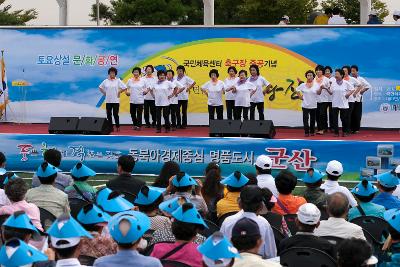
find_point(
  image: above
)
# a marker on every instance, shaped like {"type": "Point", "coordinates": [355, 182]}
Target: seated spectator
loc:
{"type": "Point", "coordinates": [264, 177]}
{"type": "Point", "coordinates": [308, 217]}
{"type": "Point", "coordinates": [53, 157]}
{"type": "Point", "coordinates": [46, 196]}
{"type": "Point", "coordinates": [396, 171]}
{"type": "Point", "coordinates": [252, 178]}
{"type": "Point", "coordinates": [287, 203]}
{"type": "Point", "coordinates": [18, 225]}
{"type": "Point", "coordinates": [234, 184]}
{"type": "Point", "coordinates": [3, 197]}
{"type": "Point", "coordinates": [334, 170]}
{"type": "Point", "coordinates": [112, 202]}
{"type": "Point", "coordinates": [93, 219]}
{"type": "Point", "coordinates": [16, 190]}
{"type": "Point", "coordinates": [246, 237]}
{"type": "Point", "coordinates": [336, 225]}
{"type": "Point", "coordinates": [169, 169]}
{"type": "Point", "coordinates": [313, 193]}
{"type": "Point", "coordinates": [218, 251]}
{"type": "Point", "coordinates": [393, 243]}
{"type": "Point", "coordinates": [182, 186]}
{"type": "Point", "coordinates": [186, 225]}
{"type": "Point", "coordinates": [387, 183]}
{"type": "Point", "coordinates": [365, 192]}
{"type": "Point", "coordinates": [127, 229]}
{"type": "Point", "coordinates": [355, 253]}
{"type": "Point", "coordinates": [125, 182]}
{"type": "Point", "coordinates": [14, 248]}
{"type": "Point", "coordinates": [212, 191]}
{"type": "Point", "coordinates": [80, 189]}
{"type": "Point", "coordinates": [212, 166]}
{"type": "Point", "coordinates": [251, 203]}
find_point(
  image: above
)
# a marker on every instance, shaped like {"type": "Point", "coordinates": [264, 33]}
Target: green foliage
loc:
{"type": "Point", "coordinates": [17, 17]}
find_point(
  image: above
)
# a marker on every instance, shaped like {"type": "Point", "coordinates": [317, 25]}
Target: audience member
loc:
{"type": "Point", "coordinates": [80, 189]}
{"type": "Point", "coordinates": [336, 18]}
{"type": "Point", "coordinates": [373, 17]}
{"type": "Point", "coordinates": [313, 193]}
{"type": "Point", "coordinates": [169, 169]}
{"type": "Point", "coordinates": [11, 254]}
{"type": "Point", "coordinates": [393, 243]}
{"type": "Point", "coordinates": [112, 202]}
{"type": "Point", "coordinates": [323, 19]}
{"type": "Point", "coordinates": [212, 166]}
{"type": "Point", "coordinates": [8, 176]}
{"type": "Point", "coordinates": [18, 225]}
{"type": "Point", "coordinates": [285, 20]}
{"type": "Point", "coordinates": [355, 253]}
{"type": "Point", "coordinates": [396, 192]}
{"type": "Point", "coordinates": [252, 178]}
{"type": "Point", "coordinates": [387, 183]}
{"type": "Point", "coordinates": [212, 191]}
{"type": "Point", "coordinates": [264, 169]}
{"type": "Point", "coordinates": [396, 17]}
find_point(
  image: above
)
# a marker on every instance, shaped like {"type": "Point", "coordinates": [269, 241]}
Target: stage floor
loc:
{"type": "Point", "coordinates": [202, 131]}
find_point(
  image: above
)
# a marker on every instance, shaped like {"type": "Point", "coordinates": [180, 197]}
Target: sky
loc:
{"type": "Point", "coordinates": [79, 10]}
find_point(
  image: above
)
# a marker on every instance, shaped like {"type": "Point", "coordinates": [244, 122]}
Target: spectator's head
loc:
{"type": "Point", "coordinates": [217, 251]}
{"type": "Point", "coordinates": [285, 19]}
{"type": "Point", "coordinates": [18, 225]}
{"type": "Point", "coordinates": [112, 201]}
{"type": "Point", "coordinates": [246, 236]}
{"type": "Point", "coordinates": [387, 182]}
{"type": "Point", "coordinates": [251, 199]}
{"type": "Point", "coordinates": [149, 198]}
{"type": "Point", "coordinates": [355, 252]}
{"type": "Point", "coordinates": [328, 11]}
{"type": "Point", "coordinates": [396, 15]}
{"type": "Point", "coordinates": [364, 191]}
{"type": "Point", "coordinates": [47, 173]}
{"type": "Point", "coordinates": [183, 182]}
{"type": "Point", "coordinates": [334, 170]}
{"type": "Point", "coordinates": [235, 182]}
{"type": "Point", "coordinates": [336, 11]}
{"type": "Point", "coordinates": [16, 189]}
{"type": "Point", "coordinates": [338, 205]}
{"type": "Point", "coordinates": [393, 218]}
{"type": "Point", "coordinates": [2, 160]}
{"type": "Point", "coordinates": [308, 217]}
{"type": "Point", "coordinates": [53, 156]}
{"type": "Point", "coordinates": [92, 218]}
{"type": "Point", "coordinates": [328, 71]}
{"type": "Point", "coordinates": [268, 198]}
{"type": "Point", "coordinates": [212, 165]}
{"type": "Point", "coordinates": [212, 186]}
{"type": "Point", "coordinates": [16, 252]}
{"type": "Point", "coordinates": [285, 182]}
{"type": "Point", "coordinates": [126, 163]}
{"type": "Point", "coordinates": [81, 172]}
{"type": "Point", "coordinates": [252, 178]}
{"type": "Point", "coordinates": [313, 178]}
{"type": "Point", "coordinates": [373, 14]}
{"type": "Point", "coordinates": [263, 165]}
{"type": "Point", "coordinates": [169, 169]}
{"type": "Point", "coordinates": [213, 74]}
{"type": "Point", "coordinates": [6, 177]}
{"type": "Point", "coordinates": [187, 222]}
{"type": "Point", "coordinates": [169, 206]}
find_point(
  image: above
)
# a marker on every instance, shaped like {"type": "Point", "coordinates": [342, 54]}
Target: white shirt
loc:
{"type": "Point", "coordinates": [69, 263]}
{"type": "Point", "coordinates": [309, 95]}
{"type": "Point", "coordinates": [267, 181]}
{"type": "Point", "coordinates": [174, 100]}
{"type": "Point", "coordinates": [161, 91]}
{"type": "Point", "coordinates": [186, 81]}
{"type": "Point", "coordinates": [242, 95]}
{"type": "Point", "coordinates": [136, 89]}
{"type": "Point", "coordinates": [396, 192]}
{"type": "Point", "coordinates": [268, 249]}
{"type": "Point", "coordinates": [149, 81]}
{"type": "Point", "coordinates": [253, 260]}
{"type": "Point", "coordinates": [364, 84]}
{"type": "Point", "coordinates": [331, 187]}
{"type": "Point", "coordinates": [337, 20]}
{"type": "Point", "coordinates": [339, 99]}
{"type": "Point", "coordinates": [260, 82]}
{"type": "Point", "coordinates": [324, 96]}
{"type": "Point", "coordinates": [215, 92]}
{"type": "Point", "coordinates": [111, 88]}
{"type": "Point", "coordinates": [339, 227]}
{"type": "Point", "coordinates": [355, 83]}
{"type": "Point", "coordinates": [229, 82]}
{"type": "Point", "coordinates": [4, 201]}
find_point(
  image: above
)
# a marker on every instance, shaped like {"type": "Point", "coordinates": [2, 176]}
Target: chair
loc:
{"type": "Point", "coordinates": [324, 214]}
{"type": "Point", "coordinates": [278, 235]}
{"type": "Point", "coordinates": [75, 205]}
{"type": "Point", "coordinates": [375, 227]}
{"type": "Point", "coordinates": [46, 218]}
{"type": "Point", "coordinates": [274, 219]}
{"type": "Point", "coordinates": [212, 228]}
{"type": "Point", "coordinates": [306, 257]}
{"type": "Point", "coordinates": [170, 263]}
{"type": "Point", "coordinates": [222, 218]}
{"type": "Point", "coordinates": [333, 239]}
{"type": "Point", "coordinates": [86, 260]}
{"type": "Point", "coordinates": [291, 222]}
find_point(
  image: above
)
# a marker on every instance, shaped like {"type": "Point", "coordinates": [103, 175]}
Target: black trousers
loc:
{"type": "Point", "coordinates": [182, 107]}
{"type": "Point", "coordinates": [164, 111]}
{"type": "Point", "coordinates": [215, 109]}
{"type": "Point", "coordinates": [230, 109]}
{"type": "Point", "coordinates": [330, 112]}
{"type": "Point", "coordinates": [150, 108]}
{"type": "Point", "coordinates": [260, 109]}
{"type": "Point", "coordinates": [344, 114]}
{"type": "Point", "coordinates": [322, 116]}
{"type": "Point", "coordinates": [174, 110]}
{"type": "Point", "coordinates": [349, 116]}
{"type": "Point", "coordinates": [241, 110]}
{"type": "Point", "coordinates": [309, 120]}
{"type": "Point", "coordinates": [136, 114]}
{"type": "Point", "coordinates": [112, 109]}
{"type": "Point", "coordinates": [356, 117]}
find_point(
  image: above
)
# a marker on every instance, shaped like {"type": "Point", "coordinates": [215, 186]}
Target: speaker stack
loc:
{"type": "Point", "coordinates": [76, 125]}
{"type": "Point", "coordinates": [247, 128]}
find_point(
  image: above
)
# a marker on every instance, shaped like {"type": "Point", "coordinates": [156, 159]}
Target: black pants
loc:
{"type": "Point", "coordinates": [215, 109]}
{"type": "Point", "coordinates": [113, 110]}
{"type": "Point", "coordinates": [309, 120]}
{"type": "Point", "coordinates": [174, 110]}
{"type": "Point", "coordinates": [260, 109]}
{"type": "Point", "coordinates": [150, 108]}
{"type": "Point", "coordinates": [182, 107]}
{"type": "Point", "coordinates": [356, 117]}
{"type": "Point", "coordinates": [239, 111]}
{"type": "Point", "coordinates": [136, 114]}
{"type": "Point", "coordinates": [330, 112]}
{"type": "Point", "coordinates": [230, 109]}
{"type": "Point", "coordinates": [344, 114]}
{"type": "Point", "coordinates": [322, 116]}
{"type": "Point", "coordinates": [349, 116]}
{"type": "Point", "coordinates": [165, 114]}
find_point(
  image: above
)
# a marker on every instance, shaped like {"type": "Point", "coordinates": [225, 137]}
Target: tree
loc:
{"type": "Point", "coordinates": [105, 13]}
{"type": "Point", "coordinates": [17, 17]}
{"type": "Point", "coordinates": [351, 9]}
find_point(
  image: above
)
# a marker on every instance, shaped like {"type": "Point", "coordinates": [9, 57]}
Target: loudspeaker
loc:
{"type": "Point", "coordinates": [93, 125]}
{"type": "Point", "coordinates": [225, 128]}
{"type": "Point", "coordinates": [63, 125]}
{"type": "Point", "coordinates": [263, 129]}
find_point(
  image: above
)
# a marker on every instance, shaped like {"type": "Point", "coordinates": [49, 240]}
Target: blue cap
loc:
{"type": "Point", "coordinates": [388, 179]}
{"type": "Point", "coordinates": [3, 171]}
{"type": "Point", "coordinates": [148, 194]}
{"type": "Point", "coordinates": [46, 170]}
{"type": "Point", "coordinates": [182, 179]}
{"type": "Point", "coordinates": [217, 247]}
{"type": "Point", "coordinates": [20, 220]}
{"type": "Point", "coordinates": [313, 176]}
{"type": "Point", "coordinates": [16, 252]}
{"type": "Point", "coordinates": [188, 213]}
{"type": "Point", "coordinates": [364, 189]}
{"type": "Point", "coordinates": [137, 224]}
{"type": "Point", "coordinates": [10, 176]}
{"type": "Point", "coordinates": [81, 171]}
{"type": "Point", "coordinates": [112, 201]}
{"type": "Point", "coordinates": [393, 218]}
{"type": "Point", "coordinates": [236, 179]}
{"type": "Point", "coordinates": [67, 227]}
{"type": "Point", "coordinates": [172, 205]}
{"type": "Point", "coordinates": [91, 214]}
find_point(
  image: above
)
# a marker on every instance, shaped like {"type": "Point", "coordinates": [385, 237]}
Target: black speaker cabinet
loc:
{"type": "Point", "coordinates": [262, 129]}
{"type": "Point", "coordinates": [63, 125]}
{"type": "Point", "coordinates": [93, 125]}
{"type": "Point", "coordinates": [225, 128]}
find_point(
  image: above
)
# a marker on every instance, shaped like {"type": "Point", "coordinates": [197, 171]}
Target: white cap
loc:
{"type": "Point", "coordinates": [68, 242]}
{"type": "Point", "coordinates": [397, 170]}
{"type": "Point", "coordinates": [371, 261]}
{"type": "Point", "coordinates": [334, 168]}
{"type": "Point", "coordinates": [264, 162]}
{"type": "Point", "coordinates": [373, 12]}
{"type": "Point", "coordinates": [396, 13]}
{"type": "Point", "coordinates": [286, 17]}
{"type": "Point", "coordinates": [308, 214]}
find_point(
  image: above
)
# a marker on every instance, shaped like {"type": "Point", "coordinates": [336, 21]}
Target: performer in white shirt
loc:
{"type": "Point", "coordinates": [357, 87]}
{"type": "Point", "coordinates": [136, 91]}
{"type": "Point", "coordinates": [328, 74]}
{"type": "Point", "coordinates": [357, 112]}
{"type": "Point", "coordinates": [230, 82]}
{"type": "Point", "coordinates": [111, 88]}
{"type": "Point", "coordinates": [149, 104]}
{"type": "Point", "coordinates": [214, 89]}
{"type": "Point", "coordinates": [323, 100]}
{"type": "Point", "coordinates": [257, 99]}
{"type": "Point", "coordinates": [243, 90]}
{"type": "Point", "coordinates": [174, 106]}
{"type": "Point", "coordinates": [336, 19]}
{"type": "Point", "coordinates": [183, 97]}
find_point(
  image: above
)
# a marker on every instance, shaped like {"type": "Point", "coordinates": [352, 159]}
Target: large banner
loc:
{"type": "Point", "coordinates": [56, 72]}
{"type": "Point", "coordinates": [24, 153]}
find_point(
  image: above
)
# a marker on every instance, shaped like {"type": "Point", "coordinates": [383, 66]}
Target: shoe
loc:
{"type": "Point", "coordinates": [167, 130]}
{"type": "Point", "coordinates": [312, 134]}
{"type": "Point", "coordinates": [138, 128]}
{"type": "Point", "coordinates": [355, 132]}
{"type": "Point", "coordinates": [153, 125]}
{"type": "Point", "coordinates": [158, 131]}
{"type": "Point", "coordinates": [183, 127]}
{"type": "Point", "coordinates": [118, 129]}
{"type": "Point", "coordinates": [307, 135]}
{"type": "Point", "coordinates": [320, 132]}
{"type": "Point", "coordinates": [148, 126]}
{"type": "Point", "coordinates": [173, 129]}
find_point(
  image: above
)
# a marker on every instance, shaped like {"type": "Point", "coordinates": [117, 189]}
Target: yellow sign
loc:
{"type": "Point", "coordinates": [20, 83]}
